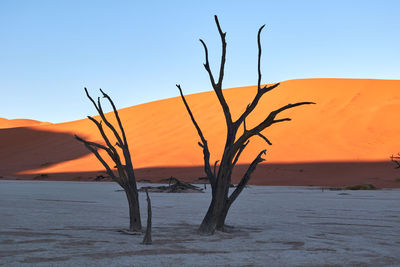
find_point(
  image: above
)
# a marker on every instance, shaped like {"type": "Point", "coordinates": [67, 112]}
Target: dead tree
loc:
{"type": "Point", "coordinates": [125, 176]}
{"type": "Point", "coordinates": [147, 236]}
{"type": "Point", "coordinates": [396, 160]}
{"type": "Point", "coordinates": [220, 177]}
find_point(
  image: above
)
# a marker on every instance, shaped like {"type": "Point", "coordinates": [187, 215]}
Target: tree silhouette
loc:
{"type": "Point", "coordinates": [126, 176]}
{"type": "Point", "coordinates": [220, 179]}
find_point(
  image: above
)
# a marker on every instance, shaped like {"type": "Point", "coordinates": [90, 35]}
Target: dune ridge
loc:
{"type": "Point", "coordinates": [354, 120]}
{"type": "Point", "coordinates": [5, 123]}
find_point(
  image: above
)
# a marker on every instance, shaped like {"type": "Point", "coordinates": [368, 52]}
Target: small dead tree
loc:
{"type": "Point", "coordinates": [396, 160]}
{"type": "Point", "coordinates": [220, 179]}
{"type": "Point", "coordinates": [126, 176]}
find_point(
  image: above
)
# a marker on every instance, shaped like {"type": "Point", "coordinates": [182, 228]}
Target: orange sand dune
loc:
{"type": "Point", "coordinates": [355, 120]}
{"type": "Point", "coordinates": [4, 123]}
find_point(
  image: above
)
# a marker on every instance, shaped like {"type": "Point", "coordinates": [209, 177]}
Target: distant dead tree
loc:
{"type": "Point", "coordinates": [396, 160]}
{"type": "Point", "coordinates": [235, 143]}
{"type": "Point", "coordinates": [126, 176]}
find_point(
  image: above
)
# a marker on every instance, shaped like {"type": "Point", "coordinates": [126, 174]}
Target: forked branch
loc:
{"type": "Point", "coordinates": [271, 117]}
{"type": "Point", "coordinates": [207, 64]}
{"type": "Point", "coordinates": [109, 125]}
{"type": "Point", "coordinates": [103, 134]}
{"type": "Point", "coordinates": [265, 124]}
{"type": "Point", "coordinates": [101, 113]}
{"type": "Point", "coordinates": [124, 173]}
{"type": "Point", "coordinates": [123, 144]}
{"type": "Point", "coordinates": [217, 86]}
{"type": "Point", "coordinates": [116, 116]}
{"type": "Point", "coordinates": [260, 91]}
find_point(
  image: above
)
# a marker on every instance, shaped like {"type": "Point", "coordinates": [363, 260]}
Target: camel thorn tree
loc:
{"type": "Point", "coordinates": [126, 176]}
{"type": "Point", "coordinates": [220, 176]}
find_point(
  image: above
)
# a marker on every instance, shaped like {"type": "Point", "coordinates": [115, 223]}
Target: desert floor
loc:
{"type": "Point", "coordinates": [79, 223]}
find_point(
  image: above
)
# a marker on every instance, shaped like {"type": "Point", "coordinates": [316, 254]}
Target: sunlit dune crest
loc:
{"type": "Point", "coordinates": [354, 120]}
{"type": "Point", "coordinates": [5, 123]}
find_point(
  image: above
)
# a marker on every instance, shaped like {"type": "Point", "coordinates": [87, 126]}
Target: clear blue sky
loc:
{"type": "Point", "coordinates": [138, 50]}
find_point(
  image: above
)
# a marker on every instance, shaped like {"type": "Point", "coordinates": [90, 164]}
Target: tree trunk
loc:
{"type": "Point", "coordinates": [221, 220]}
{"type": "Point", "coordinates": [135, 224]}
{"type": "Point", "coordinates": [209, 223]}
{"type": "Point", "coordinates": [215, 217]}
{"type": "Point", "coordinates": [217, 210]}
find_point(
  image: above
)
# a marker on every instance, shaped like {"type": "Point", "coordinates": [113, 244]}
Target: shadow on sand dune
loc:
{"type": "Point", "coordinates": [23, 149]}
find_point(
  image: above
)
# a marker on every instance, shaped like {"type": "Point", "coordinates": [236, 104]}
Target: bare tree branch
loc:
{"type": "Point", "coordinates": [271, 117]}
{"type": "Point", "coordinates": [253, 104]}
{"type": "Point", "coordinates": [282, 120]}
{"type": "Point", "coordinates": [246, 177]}
{"type": "Point", "coordinates": [207, 64]}
{"type": "Point", "coordinates": [101, 130]}
{"type": "Point", "coordinates": [116, 116]}
{"type": "Point", "coordinates": [223, 57]}
{"type": "Point", "coordinates": [260, 91]}
{"type": "Point", "coordinates": [122, 170]}
{"type": "Point", "coordinates": [91, 99]}
{"type": "Point", "coordinates": [203, 144]}
{"type": "Point", "coordinates": [200, 133]}
{"type": "Point", "coordinates": [259, 57]}
{"type": "Point", "coordinates": [264, 124]}
{"type": "Point", "coordinates": [114, 155]}
{"type": "Point", "coordinates": [91, 146]}
{"type": "Point", "coordinates": [125, 147]}
{"type": "Point", "coordinates": [267, 88]}
{"type": "Point", "coordinates": [101, 113]}
{"type": "Point", "coordinates": [218, 86]}
{"type": "Point", "coordinates": [265, 138]}
{"type": "Point", "coordinates": [109, 125]}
